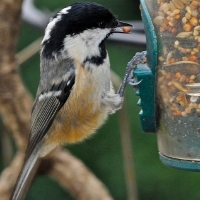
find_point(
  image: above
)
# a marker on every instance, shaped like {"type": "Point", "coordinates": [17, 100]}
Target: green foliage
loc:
{"type": "Point", "coordinates": [124, 9]}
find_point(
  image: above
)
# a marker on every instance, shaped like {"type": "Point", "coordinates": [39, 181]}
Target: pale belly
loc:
{"type": "Point", "coordinates": [82, 113]}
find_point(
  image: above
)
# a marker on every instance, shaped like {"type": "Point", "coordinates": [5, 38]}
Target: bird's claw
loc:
{"type": "Point", "coordinates": [140, 57]}
{"type": "Point", "coordinates": [131, 80]}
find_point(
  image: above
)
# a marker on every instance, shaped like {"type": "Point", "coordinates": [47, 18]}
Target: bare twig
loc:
{"type": "Point", "coordinates": [126, 146]}
{"type": "Point", "coordinates": [67, 170]}
{"type": "Point", "coordinates": [77, 178]}
{"type": "Point", "coordinates": [9, 176]}
{"type": "Point", "coordinates": [29, 51]}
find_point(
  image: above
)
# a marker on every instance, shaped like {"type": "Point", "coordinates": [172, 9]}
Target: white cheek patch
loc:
{"type": "Point", "coordinates": [94, 37]}
{"type": "Point", "coordinates": [49, 94]}
{"type": "Point", "coordinates": [85, 44]}
{"type": "Point", "coordinates": [53, 21]}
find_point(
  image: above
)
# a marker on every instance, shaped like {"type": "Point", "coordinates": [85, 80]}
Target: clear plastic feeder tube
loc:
{"type": "Point", "coordinates": [177, 26]}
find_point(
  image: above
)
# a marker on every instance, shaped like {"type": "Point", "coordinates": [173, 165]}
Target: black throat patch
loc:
{"type": "Point", "coordinates": [97, 60]}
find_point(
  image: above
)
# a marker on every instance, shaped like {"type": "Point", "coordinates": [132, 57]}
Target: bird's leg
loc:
{"type": "Point", "coordinates": [140, 57]}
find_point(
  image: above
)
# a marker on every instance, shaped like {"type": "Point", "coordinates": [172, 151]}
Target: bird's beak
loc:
{"type": "Point", "coordinates": [122, 27]}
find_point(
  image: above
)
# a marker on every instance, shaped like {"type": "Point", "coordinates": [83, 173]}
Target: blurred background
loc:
{"type": "Point", "coordinates": [102, 153]}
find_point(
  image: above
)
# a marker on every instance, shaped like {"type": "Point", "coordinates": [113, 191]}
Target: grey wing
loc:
{"type": "Point", "coordinates": [46, 106]}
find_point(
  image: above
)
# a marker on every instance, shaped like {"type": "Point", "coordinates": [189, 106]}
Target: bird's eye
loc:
{"type": "Point", "coordinates": [102, 24]}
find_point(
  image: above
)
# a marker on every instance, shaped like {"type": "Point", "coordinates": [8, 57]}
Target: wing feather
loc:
{"type": "Point", "coordinates": [45, 109]}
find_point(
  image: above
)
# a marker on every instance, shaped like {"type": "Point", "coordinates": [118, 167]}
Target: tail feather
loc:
{"type": "Point", "coordinates": [26, 175]}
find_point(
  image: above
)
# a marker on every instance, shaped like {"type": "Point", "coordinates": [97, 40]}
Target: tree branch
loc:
{"type": "Point", "coordinates": [67, 170]}
{"type": "Point", "coordinates": [81, 182]}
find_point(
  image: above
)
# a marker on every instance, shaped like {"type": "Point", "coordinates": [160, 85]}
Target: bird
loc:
{"type": "Point", "coordinates": [75, 94]}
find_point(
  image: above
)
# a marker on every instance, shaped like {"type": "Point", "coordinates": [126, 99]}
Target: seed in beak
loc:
{"type": "Point", "coordinates": [126, 29]}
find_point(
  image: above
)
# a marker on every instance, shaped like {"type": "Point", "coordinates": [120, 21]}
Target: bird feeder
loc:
{"type": "Point", "coordinates": [170, 90]}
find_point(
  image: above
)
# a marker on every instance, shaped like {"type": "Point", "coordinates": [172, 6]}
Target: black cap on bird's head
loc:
{"type": "Point", "coordinates": [86, 15]}
{"type": "Point", "coordinates": [77, 18]}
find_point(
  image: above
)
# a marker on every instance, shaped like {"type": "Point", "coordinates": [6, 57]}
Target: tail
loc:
{"type": "Point", "coordinates": [26, 175]}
